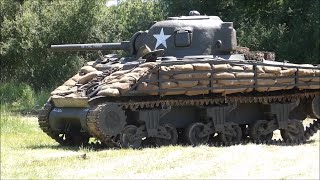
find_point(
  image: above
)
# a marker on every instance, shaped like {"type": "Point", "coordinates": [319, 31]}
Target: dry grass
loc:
{"type": "Point", "coordinates": [33, 155]}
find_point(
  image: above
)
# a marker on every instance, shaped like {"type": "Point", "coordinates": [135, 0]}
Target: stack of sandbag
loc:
{"type": "Point", "coordinates": [226, 79]}
{"type": "Point", "coordinates": [184, 80]}
{"type": "Point", "coordinates": [177, 77]}
{"type": "Point", "coordinates": [120, 82]}
{"type": "Point", "coordinates": [312, 82]}
{"type": "Point", "coordinates": [273, 78]}
{"type": "Point", "coordinates": [68, 89]}
{"type": "Point", "coordinates": [172, 83]}
{"type": "Point", "coordinates": [91, 70]}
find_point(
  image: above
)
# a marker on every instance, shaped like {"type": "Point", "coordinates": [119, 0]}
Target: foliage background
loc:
{"type": "Point", "coordinates": [288, 27]}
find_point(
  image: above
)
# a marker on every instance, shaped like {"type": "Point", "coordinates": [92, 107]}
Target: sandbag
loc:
{"type": "Point", "coordinates": [136, 76]}
{"type": "Point", "coordinates": [187, 84]}
{"type": "Point", "coordinates": [72, 95]}
{"type": "Point", "coordinates": [173, 92]}
{"type": "Point", "coordinates": [277, 88]}
{"type": "Point", "coordinates": [147, 86]}
{"type": "Point", "coordinates": [284, 80]}
{"type": "Point", "coordinates": [185, 67]}
{"type": "Point", "coordinates": [164, 77]}
{"type": "Point", "coordinates": [62, 88]}
{"type": "Point", "coordinates": [193, 92]}
{"type": "Point", "coordinates": [56, 96]}
{"type": "Point", "coordinates": [165, 68]}
{"type": "Point", "coordinates": [122, 87]}
{"type": "Point", "coordinates": [201, 75]}
{"type": "Point", "coordinates": [102, 67]}
{"type": "Point", "coordinates": [76, 77]}
{"type": "Point", "coordinates": [154, 78]}
{"type": "Point", "coordinates": [201, 66]}
{"type": "Point", "coordinates": [263, 82]}
{"type": "Point", "coordinates": [228, 82]}
{"type": "Point", "coordinates": [248, 90]}
{"type": "Point", "coordinates": [223, 75]}
{"type": "Point", "coordinates": [168, 85]}
{"type": "Point", "coordinates": [266, 75]}
{"type": "Point", "coordinates": [260, 69]}
{"type": "Point", "coordinates": [315, 79]}
{"type": "Point", "coordinates": [244, 74]}
{"type": "Point", "coordinates": [303, 85]}
{"type": "Point", "coordinates": [87, 69]}
{"type": "Point", "coordinates": [235, 90]}
{"type": "Point", "coordinates": [204, 82]}
{"type": "Point", "coordinates": [149, 65]}
{"type": "Point", "coordinates": [219, 88]}
{"type": "Point", "coordinates": [247, 67]}
{"type": "Point", "coordinates": [109, 92]}
{"type": "Point", "coordinates": [182, 76]}
{"type": "Point", "coordinates": [289, 87]}
{"type": "Point", "coordinates": [272, 69]}
{"type": "Point", "coordinates": [307, 79]}
{"type": "Point", "coordinates": [109, 79]}
{"type": "Point", "coordinates": [120, 73]}
{"type": "Point", "coordinates": [140, 70]}
{"type": "Point", "coordinates": [262, 89]}
{"type": "Point", "coordinates": [127, 79]}
{"type": "Point", "coordinates": [305, 72]}
{"type": "Point", "coordinates": [246, 81]}
{"type": "Point", "coordinates": [55, 92]}
{"type": "Point", "coordinates": [314, 86]}
{"type": "Point", "coordinates": [70, 82]}
{"type": "Point", "coordinates": [288, 72]}
{"type": "Point", "coordinates": [88, 77]}
{"type": "Point", "coordinates": [237, 68]}
{"type": "Point", "coordinates": [219, 67]}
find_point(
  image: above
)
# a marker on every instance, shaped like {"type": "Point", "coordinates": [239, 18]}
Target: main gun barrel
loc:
{"type": "Point", "coordinates": [124, 45]}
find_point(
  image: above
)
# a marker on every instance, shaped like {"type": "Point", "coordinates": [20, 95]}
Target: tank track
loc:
{"type": "Point", "coordinates": [95, 128]}
{"type": "Point", "coordinates": [43, 120]}
{"type": "Point", "coordinates": [309, 131]}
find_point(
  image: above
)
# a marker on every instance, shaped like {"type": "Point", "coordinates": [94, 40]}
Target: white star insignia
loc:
{"type": "Point", "coordinates": [161, 39]}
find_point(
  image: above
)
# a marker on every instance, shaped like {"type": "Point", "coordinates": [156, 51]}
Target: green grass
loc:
{"type": "Point", "coordinates": [26, 152]}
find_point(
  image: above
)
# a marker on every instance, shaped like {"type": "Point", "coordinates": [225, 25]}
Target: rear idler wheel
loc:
{"type": "Point", "coordinates": [294, 131]}
{"type": "Point", "coordinates": [231, 134]}
{"type": "Point", "coordinates": [173, 136]}
{"type": "Point", "coordinates": [259, 131]}
{"type": "Point", "coordinates": [128, 138]}
{"type": "Point", "coordinates": [194, 134]}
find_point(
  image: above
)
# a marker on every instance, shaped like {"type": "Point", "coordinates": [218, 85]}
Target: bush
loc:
{"type": "Point", "coordinates": [21, 97]}
{"type": "Point", "coordinates": [17, 95]}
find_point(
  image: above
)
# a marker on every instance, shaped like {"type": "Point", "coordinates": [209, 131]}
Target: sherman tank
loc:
{"type": "Point", "coordinates": [186, 81]}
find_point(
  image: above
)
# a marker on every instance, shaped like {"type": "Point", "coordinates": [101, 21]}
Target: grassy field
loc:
{"type": "Point", "coordinates": [26, 152]}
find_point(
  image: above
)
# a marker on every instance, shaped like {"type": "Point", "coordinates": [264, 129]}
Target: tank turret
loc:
{"type": "Point", "coordinates": [177, 36]}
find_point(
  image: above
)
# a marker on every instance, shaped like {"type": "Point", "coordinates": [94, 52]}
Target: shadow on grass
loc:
{"type": "Point", "coordinates": [93, 147]}
{"type": "Point", "coordinates": [100, 147]}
